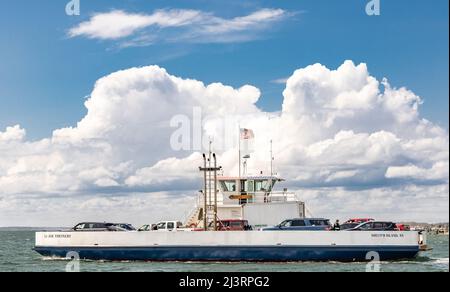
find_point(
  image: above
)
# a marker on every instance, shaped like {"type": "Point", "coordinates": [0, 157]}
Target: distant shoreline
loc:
{"type": "Point", "coordinates": [15, 228]}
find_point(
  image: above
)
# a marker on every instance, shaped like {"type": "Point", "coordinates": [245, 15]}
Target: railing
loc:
{"type": "Point", "coordinates": [223, 198]}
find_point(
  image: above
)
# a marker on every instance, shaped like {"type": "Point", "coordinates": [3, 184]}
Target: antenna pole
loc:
{"type": "Point", "coordinates": [239, 153]}
{"type": "Point", "coordinates": [239, 150]}
{"type": "Point", "coordinates": [205, 227]}
{"type": "Point", "coordinates": [215, 192]}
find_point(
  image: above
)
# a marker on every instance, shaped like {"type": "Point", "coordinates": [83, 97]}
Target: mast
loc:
{"type": "Point", "coordinates": [239, 160]}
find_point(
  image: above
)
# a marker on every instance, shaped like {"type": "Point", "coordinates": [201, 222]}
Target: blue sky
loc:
{"type": "Point", "coordinates": [45, 75]}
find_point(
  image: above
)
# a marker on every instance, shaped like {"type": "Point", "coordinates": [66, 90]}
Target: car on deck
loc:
{"type": "Point", "coordinates": [102, 226]}
{"type": "Point", "coordinates": [375, 226]}
{"type": "Point", "coordinates": [301, 224]}
{"type": "Point", "coordinates": [354, 222]}
{"type": "Point", "coordinates": [233, 225]}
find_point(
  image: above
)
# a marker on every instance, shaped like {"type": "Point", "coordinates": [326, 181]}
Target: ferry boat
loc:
{"type": "Point", "coordinates": [249, 198]}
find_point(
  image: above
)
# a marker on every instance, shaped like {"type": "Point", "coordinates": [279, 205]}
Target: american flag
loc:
{"type": "Point", "coordinates": [247, 134]}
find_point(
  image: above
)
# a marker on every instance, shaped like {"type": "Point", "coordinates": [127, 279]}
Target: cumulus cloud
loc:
{"type": "Point", "coordinates": [12, 134]}
{"type": "Point", "coordinates": [172, 25]}
{"type": "Point", "coordinates": [439, 171]}
{"type": "Point", "coordinates": [342, 139]}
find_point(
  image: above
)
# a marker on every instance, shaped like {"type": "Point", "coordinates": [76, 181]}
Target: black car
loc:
{"type": "Point", "coordinates": [301, 224]}
{"type": "Point", "coordinates": [375, 226]}
{"type": "Point", "coordinates": [347, 226]}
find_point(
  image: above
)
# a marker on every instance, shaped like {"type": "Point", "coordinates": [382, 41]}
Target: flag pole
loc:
{"type": "Point", "coordinates": [239, 153]}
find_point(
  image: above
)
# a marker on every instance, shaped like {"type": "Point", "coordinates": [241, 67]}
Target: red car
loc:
{"type": "Point", "coordinates": [402, 227]}
{"type": "Point", "coordinates": [234, 225]}
{"type": "Point", "coordinates": [229, 225]}
{"type": "Point", "coordinates": [359, 220]}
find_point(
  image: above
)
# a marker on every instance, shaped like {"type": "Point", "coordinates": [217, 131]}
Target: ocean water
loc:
{"type": "Point", "coordinates": [16, 255]}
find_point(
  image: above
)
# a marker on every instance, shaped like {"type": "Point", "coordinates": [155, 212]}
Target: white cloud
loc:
{"type": "Point", "coordinates": [173, 25]}
{"type": "Point", "coordinates": [340, 138]}
{"type": "Point", "coordinates": [12, 134]}
{"type": "Point", "coordinates": [439, 171]}
{"type": "Point", "coordinates": [253, 20]}
{"type": "Point", "coordinates": [280, 81]}
{"type": "Point", "coordinates": [118, 24]}
{"type": "Point", "coordinates": [167, 170]}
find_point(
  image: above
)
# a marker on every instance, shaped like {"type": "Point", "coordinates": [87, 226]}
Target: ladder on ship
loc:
{"type": "Point", "coordinates": [210, 169]}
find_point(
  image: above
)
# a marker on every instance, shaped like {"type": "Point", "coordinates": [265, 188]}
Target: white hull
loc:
{"type": "Point", "coordinates": [230, 246]}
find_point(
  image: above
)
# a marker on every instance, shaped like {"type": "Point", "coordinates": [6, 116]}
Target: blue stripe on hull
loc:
{"type": "Point", "coordinates": [234, 253]}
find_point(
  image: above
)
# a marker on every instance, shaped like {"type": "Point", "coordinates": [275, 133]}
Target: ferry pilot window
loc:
{"type": "Point", "coordinates": [251, 186]}
{"type": "Point", "coordinates": [170, 225]}
{"type": "Point", "coordinates": [228, 185]}
{"type": "Point", "coordinates": [247, 186]}
{"type": "Point", "coordinates": [179, 224]}
{"type": "Point", "coordinates": [261, 186]}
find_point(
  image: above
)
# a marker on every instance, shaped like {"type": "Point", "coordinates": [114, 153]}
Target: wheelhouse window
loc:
{"type": "Point", "coordinates": [264, 185]}
{"type": "Point", "coordinates": [228, 185]}
{"type": "Point", "coordinates": [257, 185]}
